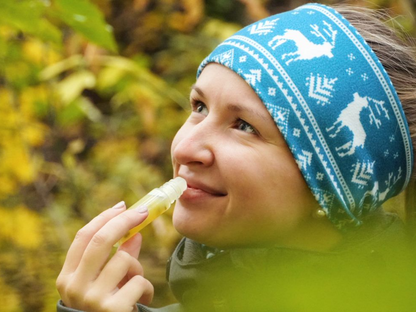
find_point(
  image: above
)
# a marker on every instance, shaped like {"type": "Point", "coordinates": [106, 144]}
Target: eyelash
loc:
{"type": "Point", "coordinates": [198, 106]}
{"type": "Point", "coordinates": [195, 104]}
{"type": "Point", "coordinates": [241, 122]}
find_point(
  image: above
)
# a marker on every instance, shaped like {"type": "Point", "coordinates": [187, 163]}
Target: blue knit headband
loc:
{"type": "Point", "coordinates": [333, 102]}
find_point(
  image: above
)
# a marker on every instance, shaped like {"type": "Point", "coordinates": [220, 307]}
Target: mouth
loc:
{"type": "Point", "coordinates": [205, 189]}
{"type": "Point", "coordinates": [198, 188]}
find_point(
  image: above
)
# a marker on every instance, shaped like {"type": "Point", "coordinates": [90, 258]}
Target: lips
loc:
{"type": "Point", "coordinates": [205, 190]}
{"type": "Point", "coordinates": [199, 188]}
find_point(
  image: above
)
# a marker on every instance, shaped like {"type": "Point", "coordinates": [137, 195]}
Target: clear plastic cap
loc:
{"type": "Point", "coordinates": [174, 188]}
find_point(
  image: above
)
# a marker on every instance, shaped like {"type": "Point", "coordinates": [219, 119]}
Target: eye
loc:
{"type": "Point", "coordinates": [245, 126]}
{"type": "Point", "coordinates": [199, 107]}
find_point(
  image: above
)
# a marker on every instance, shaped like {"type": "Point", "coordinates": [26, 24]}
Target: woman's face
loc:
{"type": "Point", "coordinates": [244, 186]}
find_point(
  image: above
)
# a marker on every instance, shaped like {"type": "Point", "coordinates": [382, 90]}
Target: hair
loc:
{"type": "Point", "coordinates": [397, 54]}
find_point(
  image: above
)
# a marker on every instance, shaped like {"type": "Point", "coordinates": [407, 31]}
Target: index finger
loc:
{"type": "Point", "coordinates": [85, 234]}
{"type": "Point", "coordinates": [101, 244]}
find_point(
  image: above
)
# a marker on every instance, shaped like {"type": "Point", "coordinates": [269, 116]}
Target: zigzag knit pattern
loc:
{"type": "Point", "coordinates": [333, 102]}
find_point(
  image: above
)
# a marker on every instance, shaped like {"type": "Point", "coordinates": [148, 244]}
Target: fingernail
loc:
{"type": "Point", "coordinates": [120, 205]}
{"type": "Point", "coordinates": [142, 209]}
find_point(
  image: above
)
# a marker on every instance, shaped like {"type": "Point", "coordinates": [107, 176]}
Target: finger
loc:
{"type": "Point", "coordinates": [121, 267]}
{"type": "Point", "coordinates": [132, 246]}
{"type": "Point", "coordinates": [137, 289]}
{"type": "Point", "coordinates": [101, 244]}
{"type": "Point", "coordinates": [84, 235]}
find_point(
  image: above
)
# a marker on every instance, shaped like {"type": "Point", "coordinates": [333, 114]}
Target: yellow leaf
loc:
{"type": "Point", "coordinates": [34, 134]}
{"type": "Point", "coordinates": [34, 50]}
{"type": "Point", "coordinates": [21, 226]}
{"type": "Point", "coordinates": [6, 224]}
{"type": "Point", "coordinates": [30, 96]}
{"type": "Point", "coordinates": [18, 162]}
{"type": "Point", "coordinates": [8, 185]}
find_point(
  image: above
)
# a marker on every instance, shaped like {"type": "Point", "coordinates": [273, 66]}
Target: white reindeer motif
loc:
{"type": "Point", "coordinates": [350, 118]}
{"type": "Point", "coordinates": [306, 49]}
{"type": "Point", "coordinates": [375, 195]}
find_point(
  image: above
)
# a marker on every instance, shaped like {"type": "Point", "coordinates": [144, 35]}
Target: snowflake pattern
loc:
{"type": "Point", "coordinates": [284, 60]}
{"type": "Point", "coordinates": [272, 91]}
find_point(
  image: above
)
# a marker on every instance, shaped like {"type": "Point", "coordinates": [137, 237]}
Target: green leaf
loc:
{"type": "Point", "coordinates": [88, 20]}
{"type": "Point", "coordinates": [70, 115]}
{"type": "Point", "coordinates": [72, 86]}
{"type": "Point", "coordinates": [27, 16]}
{"type": "Point", "coordinates": [3, 48]}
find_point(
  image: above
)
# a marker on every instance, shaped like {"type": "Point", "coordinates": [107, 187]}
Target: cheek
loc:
{"type": "Point", "coordinates": [274, 181]}
{"type": "Point", "coordinates": [247, 176]}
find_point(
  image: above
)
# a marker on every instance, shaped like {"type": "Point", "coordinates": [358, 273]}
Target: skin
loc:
{"type": "Point", "coordinates": [89, 281]}
{"type": "Point", "coordinates": [244, 189]}
{"type": "Point", "coordinates": [244, 186]}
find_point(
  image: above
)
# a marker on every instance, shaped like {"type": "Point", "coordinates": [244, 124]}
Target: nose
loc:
{"type": "Point", "coordinates": [193, 145]}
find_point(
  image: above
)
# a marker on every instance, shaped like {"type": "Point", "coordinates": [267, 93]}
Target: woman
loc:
{"type": "Point", "coordinates": [282, 218]}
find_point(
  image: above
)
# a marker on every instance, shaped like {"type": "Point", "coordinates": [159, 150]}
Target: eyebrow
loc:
{"type": "Point", "coordinates": [240, 108]}
{"type": "Point", "coordinates": [198, 90]}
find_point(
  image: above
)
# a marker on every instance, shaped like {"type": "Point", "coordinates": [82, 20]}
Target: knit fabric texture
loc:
{"type": "Point", "coordinates": [333, 102]}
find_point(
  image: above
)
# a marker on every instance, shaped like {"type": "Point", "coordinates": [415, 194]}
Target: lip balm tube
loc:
{"type": "Point", "coordinates": [157, 202]}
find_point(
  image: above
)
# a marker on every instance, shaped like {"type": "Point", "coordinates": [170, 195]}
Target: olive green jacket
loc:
{"type": "Point", "coordinates": [372, 270]}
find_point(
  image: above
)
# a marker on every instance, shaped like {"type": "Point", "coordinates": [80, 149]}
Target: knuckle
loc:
{"type": "Point", "coordinates": [99, 218]}
{"type": "Point", "coordinates": [99, 239]}
{"type": "Point", "coordinates": [97, 303]}
{"type": "Point", "coordinates": [73, 292]}
{"type": "Point", "coordinates": [92, 301]}
{"type": "Point", "coordinates": [139, 267]}
{"type": "Point", "coordinates": [88, 229]}
{"type": "Point", "coordinates": [123, 256]}
{"type": "Point", "coordinates": [150, 286]}
{"type": "Point", "coordinates": [147, 289]}
{"type": "Point", "coordinates": [139, 279]}
{"type": "Point", "coordinates": [60, 284]}
{"type": "Point", "coordinates": [109, 306]}
{"type": "Point", "coordinates": [81, 233]}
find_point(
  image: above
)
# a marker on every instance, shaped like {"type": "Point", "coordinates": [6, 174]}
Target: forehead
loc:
{"type": "Point", "coordinates": [218, 81]}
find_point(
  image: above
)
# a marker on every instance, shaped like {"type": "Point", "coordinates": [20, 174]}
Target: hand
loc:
{"type": "Point", "coordinates": [90, 281]}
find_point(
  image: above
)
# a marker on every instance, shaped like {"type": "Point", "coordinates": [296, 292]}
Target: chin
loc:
{"type": "Point", "coordinates": [192, 230]}
{"type": "Point", "coordinates": [184, 224]}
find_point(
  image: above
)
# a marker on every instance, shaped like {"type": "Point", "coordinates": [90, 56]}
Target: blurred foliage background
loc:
{"type": "Point", "coordinates": [91, 95]}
